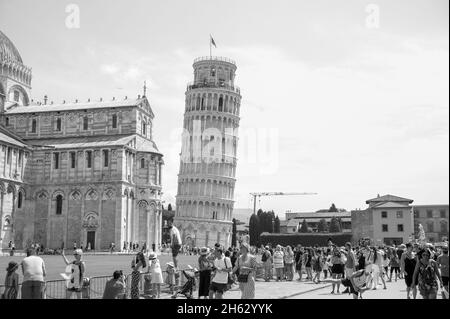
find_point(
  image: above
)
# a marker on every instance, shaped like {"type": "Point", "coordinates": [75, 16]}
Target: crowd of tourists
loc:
{"type": "Point", "coordinates": [424, 268]}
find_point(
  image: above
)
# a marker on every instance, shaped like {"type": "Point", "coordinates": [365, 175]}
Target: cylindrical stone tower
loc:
{"type": "Point", "coordinates": [206, 181]}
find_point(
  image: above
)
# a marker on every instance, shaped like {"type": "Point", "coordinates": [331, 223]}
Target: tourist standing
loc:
{"type": "Point", "coordinates": [289, 263]}
{"type": "Point", "coordinates": [278, 262]}
{"type": "Point", "coordinates": [246, 264]}
{"type": "Point", "coordinates": [426, 272]}
{"type": "Point", "coordinates": [11, 281]}
{"type": "Point", "coordinates": [317, 265]}
{"type": "Point", "coordinates": [299, 261]}
{"type": "Point", "coordinates": [222, 267]}
{"type": "Point", "coordinates": [442, 262]}
{"type": "Point", "coordinates": [33, 270]}
{"type": "Point", "coordinates": [308, 260]}
{"type": "Point", "coordinates": [175, 239]}
{"type": "Point", "coordinates": [408, 265]}
{"type": "Point", "coordinates": [137, 264]}
{"type": "Point", "coordinates": [266, 259]}
{"type": "Point", "coordinates": [78, 268]}
{"type": "Point", "coordinates": [337, 268]}
{"type": "Point", "coordinates": [156, 275]}
{"type": "Point", "coordinates": [205, 267]}
{"type": "Point", "coordinates": [394, 263]}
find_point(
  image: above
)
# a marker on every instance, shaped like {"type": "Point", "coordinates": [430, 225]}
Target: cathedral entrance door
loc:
{"type": "Point", "coordinates": [91, 239]}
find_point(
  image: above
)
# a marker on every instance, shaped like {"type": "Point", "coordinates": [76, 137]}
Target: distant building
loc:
{"type": "Point", "coordinates": [294, 221]}
{"type": "Point", "coordinates": [434, 219]}
{"type": "Point", "coordinates": [387, 220]}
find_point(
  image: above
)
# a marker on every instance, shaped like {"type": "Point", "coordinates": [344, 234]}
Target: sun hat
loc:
{"type": "Point", "coordinates": [152, 255]}
{"type": "Point", "coordinates": [203, 251]}
{"type": "Point", "coordinates": [78, 252]}
{"type": "Point", "coordinates": [12, 266]}
{"type": "Point", "coordinates": [170, 264]}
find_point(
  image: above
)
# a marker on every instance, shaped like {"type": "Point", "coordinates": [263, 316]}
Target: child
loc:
{"type": "Point", "coordinates": [11, 281]}
{"type": "Point", "coordinates": [156, 274]}
{"type": "Point", "coordinates": [189, 286]}
{"type": "Point", "coordinates": [170, 280]}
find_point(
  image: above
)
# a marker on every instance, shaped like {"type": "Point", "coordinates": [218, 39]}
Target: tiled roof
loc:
{"type": "Point", "coordinates": [320, 215]}
{"type": "Point", "coordinates": [74, 106]}
{"type": "Point", "coordinates": [96, 141]}
{"type": "Point", "coordinates": [8, 137]}
{"type": "Point", "coordinates": [389, 198]}
{"type": "Point", "coordinates": [390, 205]}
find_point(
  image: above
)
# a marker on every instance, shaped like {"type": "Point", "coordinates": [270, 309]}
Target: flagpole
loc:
{"type": "Point", "coordinates": [210, 48]}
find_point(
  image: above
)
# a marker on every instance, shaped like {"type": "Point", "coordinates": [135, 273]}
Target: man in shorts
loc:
{"type": "Point", "coordinates": [175, 240]}
{"type": "Point", "coordinates": [222, 266]}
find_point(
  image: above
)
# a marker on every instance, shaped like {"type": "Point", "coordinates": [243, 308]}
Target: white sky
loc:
{"type": "Point", "coordinates": [350, 111]}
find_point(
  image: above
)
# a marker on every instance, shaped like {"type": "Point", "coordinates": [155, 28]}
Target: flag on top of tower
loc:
{"type": "Point", "coordinates": [212, 41]}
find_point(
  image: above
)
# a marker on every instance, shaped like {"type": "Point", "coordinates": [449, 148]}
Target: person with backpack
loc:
{"type": "Point", "coordinates": [77, 269]}
{"type": "Point", "coordinates": [425, 273]}
{"type": "Point", "coordinates": [266, 259]}
{"type": "Point", "coordinates": [222, 267]}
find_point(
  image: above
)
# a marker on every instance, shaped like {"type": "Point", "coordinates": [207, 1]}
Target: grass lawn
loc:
{"type": "Point", "coordinates": [96, 265]}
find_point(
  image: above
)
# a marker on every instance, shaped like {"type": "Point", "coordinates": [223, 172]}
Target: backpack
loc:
{"type": "Point", "coordinates": [360, 281]}
{"type": "Point", "coordinates": [264, 257]}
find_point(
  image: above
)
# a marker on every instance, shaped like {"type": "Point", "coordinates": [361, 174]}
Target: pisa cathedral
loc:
{"type": "Point", "coordinates": [84, 172]}
{"type": "Point", "coordinates": [206, 178]}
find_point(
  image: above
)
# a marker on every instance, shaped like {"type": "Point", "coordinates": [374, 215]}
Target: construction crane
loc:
{"type": "Point", "coordinates": [273, 194]}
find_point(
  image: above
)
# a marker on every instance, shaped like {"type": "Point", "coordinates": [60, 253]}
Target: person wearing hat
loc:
{"type": "Point", "coordinates": [11, 281]}
{"type": "Point", "coordinates": [205, 267]}
{"type": "Point", "coordinates": [78, 268]}
{"type": "Point", "coordinates": [156, 274]}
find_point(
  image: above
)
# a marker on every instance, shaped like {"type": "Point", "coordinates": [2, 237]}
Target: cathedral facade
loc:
{"type": "Point", "coordinates": [84, 172]}
{"type": "Point", "coordinates": [208, 157]}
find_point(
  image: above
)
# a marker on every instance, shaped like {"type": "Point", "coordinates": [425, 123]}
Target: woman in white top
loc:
{"type": "Point", "coordinates": [156, 275]}
{"type": "Point", "coordinates": [222, 267]}
{"type": "Point", "coordinates": [278, 262]}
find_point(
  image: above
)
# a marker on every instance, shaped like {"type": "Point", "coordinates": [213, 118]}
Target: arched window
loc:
{"type": "Point", "coordinates": [19, 200]}
{"type": "Point", "coordinates": [220, 104]}
{"type": "Point", "coordinates": [59, 201]}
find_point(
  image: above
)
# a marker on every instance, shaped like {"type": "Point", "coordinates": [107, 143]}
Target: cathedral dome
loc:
{"type": "Point", "coordinates": [8, 52]}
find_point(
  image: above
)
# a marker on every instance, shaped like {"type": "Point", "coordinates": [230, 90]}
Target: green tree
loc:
{"type": "Point", "coordinates": [333, 209]}
{"type": "Point", "coordinates": [276, 225]}
{"type": "Point", "coordinates": [254, 230]}
{"type": "Point", "coordinates": [322, 226]}
{"type": "Point", "coordinates": [234, 233]}
{"type": "Point", "coordinates": [334, 225]}
{"type": "Point", "coordinates": [304, 227]}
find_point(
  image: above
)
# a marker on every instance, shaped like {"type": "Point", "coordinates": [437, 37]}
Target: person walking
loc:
{"type": "Point", "coordinates": [408, 263]}
{"type": "Point", "coordinates": [33, 270]}
{"type": "Point", "coordinates": [77, 269]}
{"type": "Point", "coordinates": [394, 263]}
{"type": "Point", "coordinates": [11, 281]}
{"type": "Point", "coordinates": [246, 269]}
{"type": "Point", "coordinates": [426, 272]}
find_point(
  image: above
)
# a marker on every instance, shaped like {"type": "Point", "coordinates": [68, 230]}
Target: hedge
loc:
{"type": "Point", "coordinates": [305, 239]}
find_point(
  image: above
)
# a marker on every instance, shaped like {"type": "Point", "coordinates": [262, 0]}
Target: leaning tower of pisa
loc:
{"type": "Point", "coordinates": [204, 203]}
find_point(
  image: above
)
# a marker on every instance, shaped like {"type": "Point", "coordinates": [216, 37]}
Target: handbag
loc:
{"type": "Point", "coordinates": [242, 277]}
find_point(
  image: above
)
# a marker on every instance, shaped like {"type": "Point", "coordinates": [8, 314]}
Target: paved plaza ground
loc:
{"type": "Point", "coordinates": [105, 264]}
